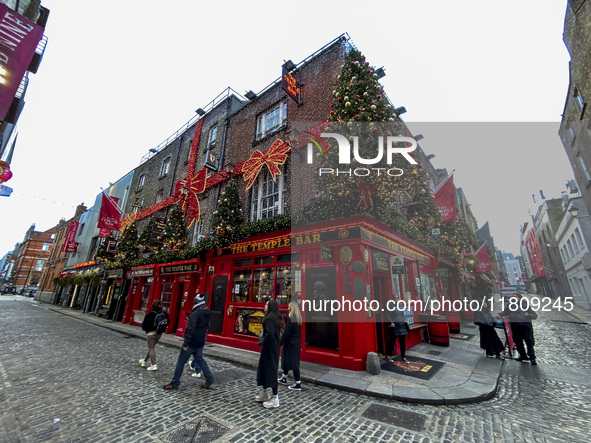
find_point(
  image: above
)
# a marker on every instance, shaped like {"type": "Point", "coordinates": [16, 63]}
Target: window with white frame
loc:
{"type": "Point", "coordinates": [45, 246]}
{"type": "Point", "coordinates": [268, 197]}
{"type": "Point", "coordinates": [141, 182]}
{"type": "Point", "coordinates": [570, 247]}
{"type": "Point", "coordinates": [579, 238]}
{"type": "Point", "coordinates": [198, 231]}
{"type": "Point", "coordinates": [213, 133]}
{"type": "Point", "coordinates": [39, 265]}
{"type": "Point", "coordinates": [165, 167]}
{"type": "Point", "coordinates": [160, 196]}
{"type": "Point", "coordinates": [271, 120]}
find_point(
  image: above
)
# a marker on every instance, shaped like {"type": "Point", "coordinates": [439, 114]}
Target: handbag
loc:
{"type": "Point", "coordinates": [261, 339]}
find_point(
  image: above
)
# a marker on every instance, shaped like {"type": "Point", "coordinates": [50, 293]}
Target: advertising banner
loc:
{"type": "Point", "coordinates": [70, 244]}
{"type": "Point", "coordinates": [109, 215]}
{"type": "Point", "coordinates": [19, 38]}
{"type": "Point", "coordinates": [445, 198]}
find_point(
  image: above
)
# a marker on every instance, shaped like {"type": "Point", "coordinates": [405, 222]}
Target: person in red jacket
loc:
{"type": "Point", "coordinates": [193, 342]}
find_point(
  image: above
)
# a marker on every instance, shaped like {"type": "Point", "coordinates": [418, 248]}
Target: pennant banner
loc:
{"type": "Point", "coordinates": [18, 40]}
{"type": "Point", "coordinates": [109, 215]}
{"type": "Point", "coordinates": [69, 244]}
{"type": "Point", "coordinates": [445, 199]}
{"type": "Point", "coordinates": [482, 256]}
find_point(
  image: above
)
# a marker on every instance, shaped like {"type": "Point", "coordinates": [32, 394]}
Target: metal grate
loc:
{"type": "Point", "coordinates": [197, 431]}
{"type": "Point", "coordinates": [396, 417]}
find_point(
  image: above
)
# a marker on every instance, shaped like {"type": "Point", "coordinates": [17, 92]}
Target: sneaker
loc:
{"type": "Point", "coordinates": [490, 356]}
{"type": "Point", "coordinates": [404, 360]}
{"type": "Point", "coordinates": [207, 384]}
{"type": "Point", "coordinates": [522, 359]}
{"type": "Point", "coordinates": [533, 362]}
{"type": "Point", "coordinates": [388, 358]}
{"type": "Point", "coordinates": [196, 375]}
{"type": "Point", "coordinates": [170, 387]}
{"type": "Point", "coordinates": [501, 357]}
{"type": "Point", "coordinates": [143, 363]}
{"type": "Point", "coordinates": [295, 387]}
{"type": "Point", "coordinates": [153, 368]}
{"type": "Point", "coordinates": [262, 397]}
{"type": "Point", "coordinates": [282, 380]}
{"type": "Point", "coordinates": [273, 403]}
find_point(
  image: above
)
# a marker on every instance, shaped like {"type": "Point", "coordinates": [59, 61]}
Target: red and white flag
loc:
{"type": "Point", "coordinates": [70, 245]}
{"type": "Point", "coordinates": [109, 216]}
{"type": "Point", "coordinates": [482, 256]}
{"type": "Point", "coordinates": [445, 199]}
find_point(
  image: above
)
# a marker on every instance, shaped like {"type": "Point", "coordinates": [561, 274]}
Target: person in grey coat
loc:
{"type": "Point", "coordinates": [396, 329]}
{"type": "Point", "coordinates": [269, 358]}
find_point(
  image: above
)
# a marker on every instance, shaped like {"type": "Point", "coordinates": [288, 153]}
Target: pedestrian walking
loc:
{"type": "Point", "coordinates": [397, 329]}
{"type": "Point", "coordinates": [193, 342]}
{"type": "Point", "coordinates": [152, 334]}
{"type": "Point", "coordinates": [291, 340]}
{"type": "Point", "coordinates": [489, 340]}
{"type": "Point", "coordinates": [521, 327]}
{"type": "Point", "coordinates": [269, 358]}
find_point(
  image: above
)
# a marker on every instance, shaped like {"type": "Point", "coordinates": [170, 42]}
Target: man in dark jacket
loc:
{"type": "Point", "coordinates": [521, 327]}
{"type": "Point", "coordinates": [194, 340]}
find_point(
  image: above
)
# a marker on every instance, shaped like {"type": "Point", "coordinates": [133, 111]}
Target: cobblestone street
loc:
{"type": "Point", "coordinates": [67, 380]}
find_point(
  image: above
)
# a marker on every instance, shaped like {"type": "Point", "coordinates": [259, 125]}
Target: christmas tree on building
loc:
{"type": "Point", "coordinates": [174, 234]}
{"type": "Point", "coordinates": [228, 215]}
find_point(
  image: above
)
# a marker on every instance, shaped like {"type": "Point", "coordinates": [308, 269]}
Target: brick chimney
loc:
{"type": "Point", "coordinates": [80, 209]}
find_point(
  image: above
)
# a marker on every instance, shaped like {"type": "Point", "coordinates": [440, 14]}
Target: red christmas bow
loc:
{"type": "Point", "coordinates": [272, 157]}
{"type": "Point", "coordinates": [190, 202]}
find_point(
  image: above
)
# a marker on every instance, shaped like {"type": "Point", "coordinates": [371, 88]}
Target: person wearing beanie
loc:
{"type": "Point", "coordinates": [193, 342]}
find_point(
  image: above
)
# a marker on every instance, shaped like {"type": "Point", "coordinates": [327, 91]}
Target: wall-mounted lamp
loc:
{"type": "Point", "coordinates": [200, 111]}
{"type": "Point", "coordinates": [381, 73]}
{"type": "Point", "coordinates": [184, 191]}
{"type": "Point", "coordinates": [400, 110]}
{"type": "Point", "coordinates": [289, 66]}
{"type": "Point", "coordinates": [250, 95]}
{"type": "Point", "coordinates": [574, 211]}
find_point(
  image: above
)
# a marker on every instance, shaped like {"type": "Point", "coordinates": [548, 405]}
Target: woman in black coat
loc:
{"type": "Point", "coordinates": [269, 359]}
{"type": "Point", "coordinates": [396, 329]}
{"type": "Point", "coordinates": [291, 340]}
{"type": "Point", "coordinates": [489, 340]}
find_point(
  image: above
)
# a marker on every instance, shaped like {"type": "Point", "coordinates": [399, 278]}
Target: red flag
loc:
{"type": "Point", "coordinates": [445, 199]}
{"type": "Point", "coordinates": [109, 216]}
{"type": "Point", "coordinates": [104, 232]}
{"type": "Point", "coordinates": [69, 244]}
{"type": "Point", "coordinates": [482, 256]}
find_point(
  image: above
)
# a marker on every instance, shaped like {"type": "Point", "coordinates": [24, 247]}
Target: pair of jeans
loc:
{"type": "Point", "coordinates": [182, 360]}
{"type": "Point", "coordinates": [195, 366]}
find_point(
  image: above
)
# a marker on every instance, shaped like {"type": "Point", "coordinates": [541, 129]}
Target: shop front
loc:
{"type": "Point", "coordinates": [341, 275]}
{"type": "Point", "coordinates": [111, 292]}
{"type": "Point", "coordinates": [142, 281]}
{"type": "Point", "coordinates": [175, 286]}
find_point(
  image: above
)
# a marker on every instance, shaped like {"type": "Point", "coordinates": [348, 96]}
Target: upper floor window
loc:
{"type": "Point", "coordinates": [45, 246]}
{"type": "Point", "coordinates": [52, 236]}
{"type": "Point", "coordinates": [141, 182]}
{"type": "Point", "coordinates": [39, 265]}
{"type": "Point", "coordinates": [268, 198]}
{"type": "Point", "coordinates": [579, 238]}
{"type": "Point", "coordinates": [570, 132]}
{"type": "Point", "coordinates": [583, 167]}
{"type": "Point", "coordinates": [213, 133]}
{"type": "Point", "coordinates": [579, 101]}
{"type": "Point", "coordinates": [165, 167]}
{"type": "Point", "coordinates": [160, 196]}
{"type": "Point", "coordinates": [271, 120]}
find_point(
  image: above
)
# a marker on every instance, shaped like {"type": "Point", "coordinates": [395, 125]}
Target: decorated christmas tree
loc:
{"type": "Point", "coordinates": [174, 235]}
{"type": "Point", "coordinates": [129, 246]}
{"type": "Point", "coordinates": [361, 113]}
{"type": "Point", "coordinates": [103, 252]}
{"type": "Point", "coordinates": [146, 245]}
{"type": "Point", "coordinates": [228, 215]}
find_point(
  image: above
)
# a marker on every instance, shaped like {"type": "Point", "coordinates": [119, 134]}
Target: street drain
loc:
{"type": "Point", "coordinates": [434, 352]}
{"type": "Point", "coordinates": [196, 431]}
{"type": "Point", "coordinates": [396, 417]}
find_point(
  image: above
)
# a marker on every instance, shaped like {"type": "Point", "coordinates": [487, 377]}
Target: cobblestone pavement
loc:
{"type": "Point", "coordinates": [66, 380]}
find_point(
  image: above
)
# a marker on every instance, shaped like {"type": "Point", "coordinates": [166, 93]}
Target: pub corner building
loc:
{"type": "Point", "coordinates": [348, 260]}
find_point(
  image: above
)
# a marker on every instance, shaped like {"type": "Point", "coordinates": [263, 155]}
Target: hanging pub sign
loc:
{"type": "Point", "coordinates": [112, 246]}
{"type": "Point", "coordinates": [290, 85]}
{"type": "Point", "coordinates": [211, 161]}
{"type": "Point", "coordinates": [397, 264]}
{"type": "Point", "coordinates": [157, 230]}
{"type": "Point", "coordinates": [183, 267]}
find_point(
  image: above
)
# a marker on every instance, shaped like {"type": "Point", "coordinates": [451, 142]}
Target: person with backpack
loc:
{"type": "Point", "coordinates": [155, 324]}
{"type": "Point", "coordinates": [193, 343]}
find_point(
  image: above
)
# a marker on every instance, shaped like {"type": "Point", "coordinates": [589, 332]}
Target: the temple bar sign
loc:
{"type": "Point", "coordinates": [290, 85]}
{"type": "Point", "coordinates": [185, 267]}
